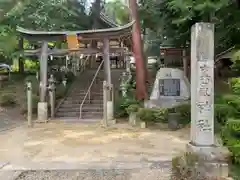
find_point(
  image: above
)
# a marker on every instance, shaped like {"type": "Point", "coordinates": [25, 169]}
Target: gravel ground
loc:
{"type": "Point", "coordinates": [143, 174]}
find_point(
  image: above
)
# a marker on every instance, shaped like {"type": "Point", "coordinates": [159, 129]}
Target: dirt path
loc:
{"type": "Point", "coordinates": [73, 143]}
{"type": "Point", "coordinates": [71, 150]}
{"type": "Point", "coordinates": [10, 118]}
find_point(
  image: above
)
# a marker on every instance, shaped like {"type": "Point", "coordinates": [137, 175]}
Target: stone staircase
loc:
{"type": "Point", "coordinates": [93, 110]}
{"type": "Point", "coordinates": [70, 107]}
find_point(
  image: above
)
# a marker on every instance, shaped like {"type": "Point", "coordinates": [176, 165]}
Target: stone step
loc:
{"type": "Point", "coordinates": [85, 108]}
{"type": "Point", "coordinates": [67, 114]}
{"type": "Point", "coordinates": [78, 90]}
{"type": "Point", "coordinates": [92, 115]}
{"type": "Point", "coordinates": [92, 110]}
{"type": "Point", "coordinates": [85, 87]}
{"type": "Point", "coordinates": [72, 105]}
{"type": "Point", "coordinates": [84, 94]}
{"type": "Point", "coordinates": [94, 93]}
{"type": "Point", "coordinates": [79, 100]}
{"type": "Point", "coordinates": [85, 115]}
{"type": "Point", "coordinates": [68, 104]}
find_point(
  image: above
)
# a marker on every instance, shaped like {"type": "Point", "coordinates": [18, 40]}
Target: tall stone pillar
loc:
{"type": "Point", "coordinates": [43, 71]}
{"type": "Point", "coordinates": [42, 105]}
{"type": "Point", "coordinates": [202, 84]}
{"type": "Point", "coordinates": [108, 101]}
{"type": "Point", "coordinates": [202, 98]}
{"type": "Point", "coordinates": [106, 58]}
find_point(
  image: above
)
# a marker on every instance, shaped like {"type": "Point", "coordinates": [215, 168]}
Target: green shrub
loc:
{"type": "Point", "coordinates": [218, 99]}
{"type": "Point", "coordinates": [236, 63]}
{"type": "Point", "coordinates": [146, 115]}
{"type": "Point", "coordinates": [231, 138]}
{"type": "Point", "coordinates": [150, 115]}
{"type": "Point", "coordinates": [222, 112]}
{"type": "Point", "coordinates": [234, 102]}
{"type": "Point", "coordinates": [31, 65]}
{"type": "Point", "coordinates": [122, 104]}
{"type": "Point", "coordinates": [133, 108]}
{"type": "Point", "coordinates": [160, 115]}
{"type": "Point", "coordinates": [7, 99]}
{"type": "Point", "coordinates": [235, 85]}
{"type": "Point", "coordinates": [184, 111]}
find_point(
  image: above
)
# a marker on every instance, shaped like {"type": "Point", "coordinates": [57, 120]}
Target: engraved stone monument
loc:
{"type": "Point", "coordinates": [202, 98]}
{"type": "Point", "coordinates": [170, 88]}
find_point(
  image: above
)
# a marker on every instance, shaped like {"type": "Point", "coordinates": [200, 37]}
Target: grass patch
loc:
{"type": "Point", "coordinates": [235, 171]}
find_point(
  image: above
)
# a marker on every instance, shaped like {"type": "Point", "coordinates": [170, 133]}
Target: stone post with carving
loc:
{"type": "Point", "coordinates": [202, 84]}
{"type": "Point", "coordinates": [202, 99]}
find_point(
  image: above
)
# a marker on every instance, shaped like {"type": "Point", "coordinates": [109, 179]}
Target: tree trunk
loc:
{"type": "Point", "coordinates": [141, 89]}
{"type": "Point", "coordinates": [20, 58]}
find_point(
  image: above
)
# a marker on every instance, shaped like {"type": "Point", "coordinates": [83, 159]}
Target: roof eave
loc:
{"type": "Point", "coordinates": [61, 33]}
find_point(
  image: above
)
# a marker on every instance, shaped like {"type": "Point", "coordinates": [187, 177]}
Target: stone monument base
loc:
{"type": "Point", "coordinates": [215, 159]}
{"type": "Point", "coordinates": [42, 112]}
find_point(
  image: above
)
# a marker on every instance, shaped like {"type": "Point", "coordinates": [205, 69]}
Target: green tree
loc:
{"type": "Point", "coordinates": [38, 15]}
{"type": "Point", "coordinates": [173, 19]}
{"type": "Point", "coordinates": [118, 11]}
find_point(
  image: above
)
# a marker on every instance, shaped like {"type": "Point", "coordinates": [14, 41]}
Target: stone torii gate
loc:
{"type": "Point", "coordinates": [85, 37]}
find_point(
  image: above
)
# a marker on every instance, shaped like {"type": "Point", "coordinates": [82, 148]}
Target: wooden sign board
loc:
{"type": "Point", "coordinates": [72, 41]}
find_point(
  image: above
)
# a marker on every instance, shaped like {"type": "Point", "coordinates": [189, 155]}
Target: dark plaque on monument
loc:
{"type": "Point", "coordinates": [169, 87]}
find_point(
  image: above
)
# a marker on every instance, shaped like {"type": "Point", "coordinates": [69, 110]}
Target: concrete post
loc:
{"type": "Point", "coordinates": [202, 100]}
{"type": "Point", "coordinates": [29, 104]}
{"type": "Point", "coordinates": [52, 95]}
{"type": "Point", "coordinates": [110, 103]}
